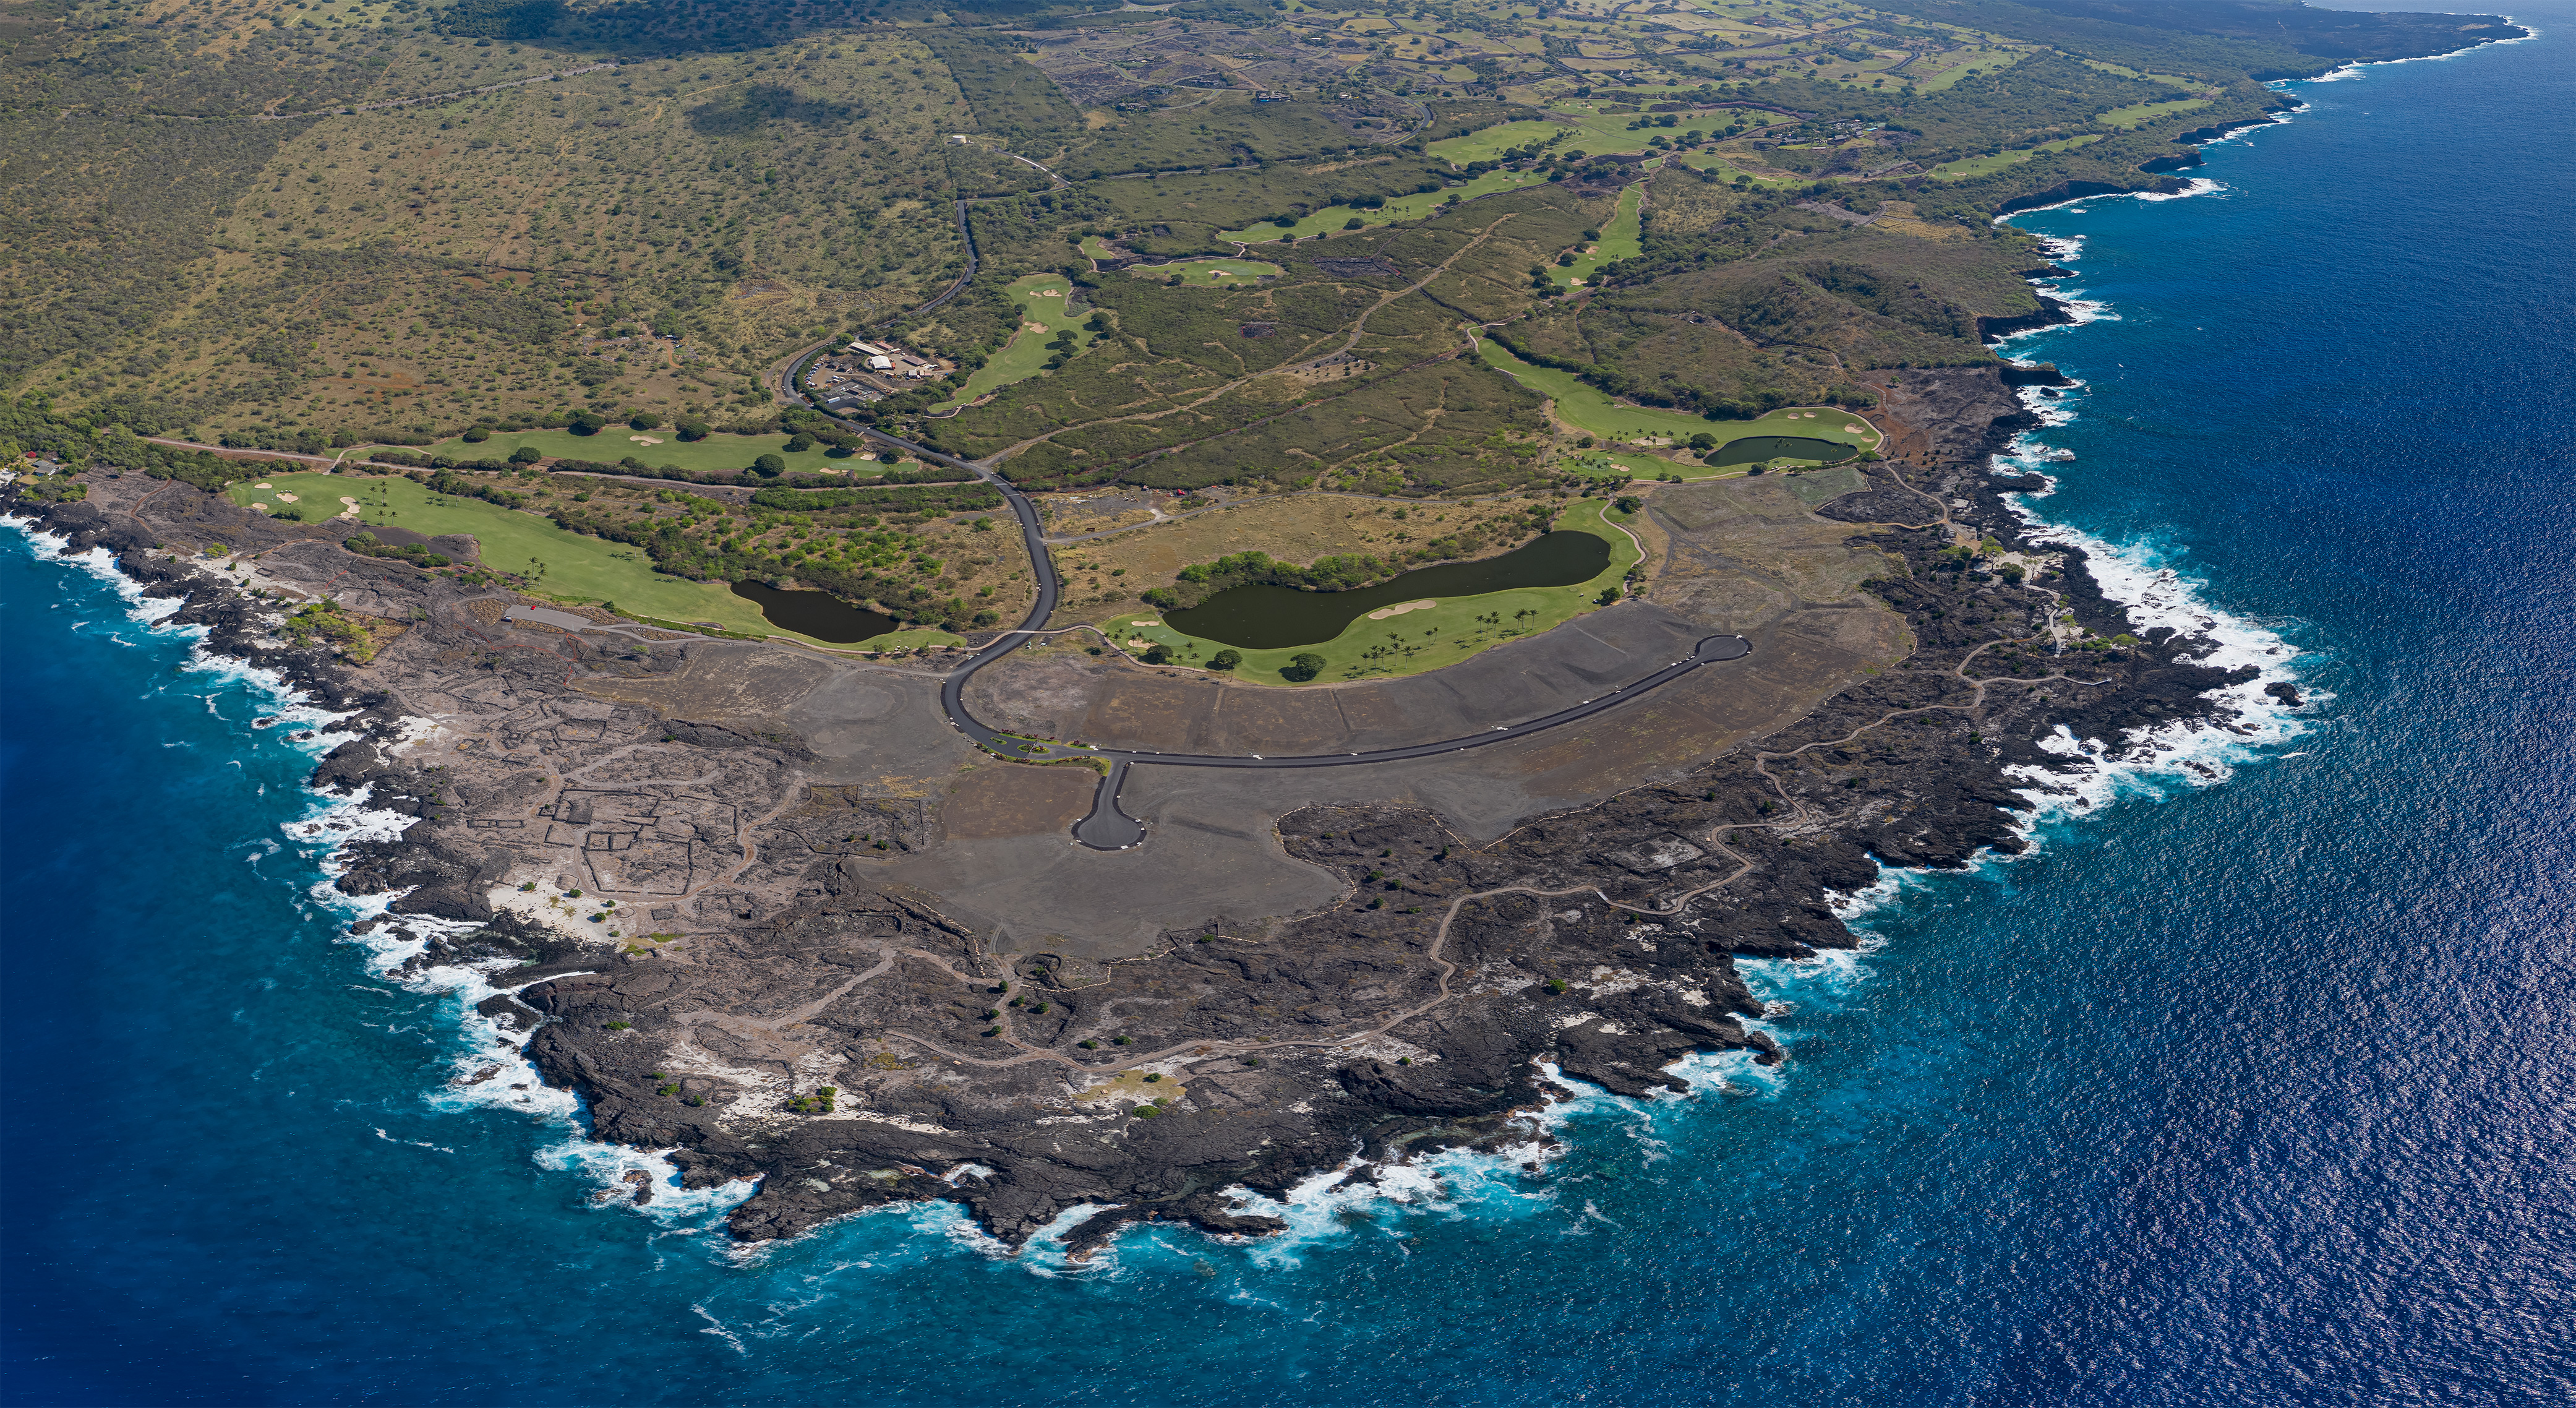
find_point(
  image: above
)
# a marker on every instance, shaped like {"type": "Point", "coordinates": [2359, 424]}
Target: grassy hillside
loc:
{"type": "Point", "coordinates": [506, 214]}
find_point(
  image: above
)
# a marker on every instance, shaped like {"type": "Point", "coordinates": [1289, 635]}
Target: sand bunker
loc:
{"type": "Point", "coordinates": [284, 497]}
{"type": "Point", "coordinates": [1400, 608]}
{"type": "Point", "coordinates": [643, 439]}
{"type": "Point", "coordinates": [1854, 430]}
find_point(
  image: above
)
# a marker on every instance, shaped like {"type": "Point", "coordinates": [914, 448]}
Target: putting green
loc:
{"type": "Point", "coordinates": [1416, 639]}
{"type": "Point", "coordinates": [1045, 297]}
{"type": "Point", "coordinates": [567, 566]}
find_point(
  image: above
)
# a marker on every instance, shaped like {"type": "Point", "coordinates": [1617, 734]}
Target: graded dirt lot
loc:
{"type": "Point", "coordinates": [1017, 800]}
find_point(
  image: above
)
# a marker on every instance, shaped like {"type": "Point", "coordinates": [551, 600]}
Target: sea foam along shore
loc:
{"type": "Point", "coordinates": [2141, 578]}
{"type": "Point", "coordinates": [329, 825]}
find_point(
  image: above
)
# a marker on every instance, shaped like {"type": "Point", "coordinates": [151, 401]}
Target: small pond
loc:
{"type": "Point", "coordinates": [1274, 618]}
{"type": "Point", "coordinates": [818, 614]}
{"type": "Point", "coordinates": [1754, 448]}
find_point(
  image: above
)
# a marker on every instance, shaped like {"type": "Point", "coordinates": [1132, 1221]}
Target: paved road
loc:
{"type": "Point", "coordinates": [1109, 829]}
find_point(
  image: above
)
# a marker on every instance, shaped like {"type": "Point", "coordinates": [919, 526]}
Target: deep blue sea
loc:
{"type": "Point", "coordinates": [2248, 1091]}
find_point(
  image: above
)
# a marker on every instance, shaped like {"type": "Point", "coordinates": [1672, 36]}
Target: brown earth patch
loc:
{"type": "Point", "coordinates": [1009, 800]}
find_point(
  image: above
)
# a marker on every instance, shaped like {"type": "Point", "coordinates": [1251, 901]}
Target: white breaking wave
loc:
{"type": "Point", "coordinates": [2358, 67]}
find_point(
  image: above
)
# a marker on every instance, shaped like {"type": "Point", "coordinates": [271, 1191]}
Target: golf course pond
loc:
{"type": "Point", "coordinates": [1753, 449]}
{"type": "Point", "coordinates": [820, 615]}
{"type": "Point", "coordinates": [1275, 618]}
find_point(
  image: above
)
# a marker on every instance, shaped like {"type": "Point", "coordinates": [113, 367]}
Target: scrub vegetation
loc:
{"type": "Point", "coordinates": [307, 224]}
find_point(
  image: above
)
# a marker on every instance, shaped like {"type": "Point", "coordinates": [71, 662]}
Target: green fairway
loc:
{"type": "Point", "coordinates": [1593, 412]}
{"type": "Point", "coordinates": [1989, 165]}
{"type": "Point", "coordinates": [1711, 161]}
{"type": "Point", "coordinates": [1045, 297]}
{"type": "Point", "coordinates": [1424, 639]}
{"type": "Point", "coordinates": [1617, 242]}
{"type": "Point", "coordinates": [1209, 273]}
{"type": "Point", "coordinates": [566, 566]}
{"type": "Point", "coordinates": [1981, 63]}
{"type": "Point", "coordinates": [2136, 113]}
{"type": "Point", "coordinates": [1613, 464]}
{"type": "Point", "coordinates": [1494, 141]}
{"type": "Point", "coordinates": [659, 448]}
{"type": "Point", "coordinates": [1412, 207]}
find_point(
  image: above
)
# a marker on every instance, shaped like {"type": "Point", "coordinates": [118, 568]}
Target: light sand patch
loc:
{"type": "Point", "coordinates": [259, 486]}
{"type": "Point", "coordinates": [643, 440]}
{"type": "Point", "coordinates": [1132, 1085]}
{"type": "Point", "coordinates": [1033, 327]}
{"type": "Point", "coordinates": [1400, 608]}
{"type": "Point", "coordinates": [1853, 430]}
{"type": "Point", "coordinates": [285, 498]}
{"type": "Point", "coordinates": [1047, 293]}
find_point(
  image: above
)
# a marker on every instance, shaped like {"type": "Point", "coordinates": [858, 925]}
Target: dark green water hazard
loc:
{"type": "Point", "coordinates": [818, 614]}
{"type": "Point", "coordinates": [1755, 448]}
{"type": "Point", "coordinates": [1274, 618]}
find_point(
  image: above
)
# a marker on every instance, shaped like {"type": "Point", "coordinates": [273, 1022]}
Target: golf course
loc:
{"type": "Point", "coordinates": [1410, 637]}
{"type": "Point", "coordinates": [569, 567]}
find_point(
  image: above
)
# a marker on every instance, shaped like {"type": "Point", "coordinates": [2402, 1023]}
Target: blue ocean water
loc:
{"type": "Point", "coordinates": [2261, 1092]}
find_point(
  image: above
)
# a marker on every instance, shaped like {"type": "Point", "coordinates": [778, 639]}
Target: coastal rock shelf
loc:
{"type": "Point", "coordinates": [780, 872]}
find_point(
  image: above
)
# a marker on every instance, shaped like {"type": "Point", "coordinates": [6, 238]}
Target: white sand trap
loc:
{"type": "Point", "coordinates": [643, 439]}
{"type": "Point", "coordinates": [259, 486]}
{"type": "Point", "coordinates": [1400, 608]}
{"type": "Point", "coordinates": [1854, 430]}
{"type": "Point", "coordinates": [1049, 293]}
{"type": "Point", "coordinates": [1033, 327]}
{"type": "Point", "coordinates": [1811, 415]}
{"type": "Point", "coordinates": [1218, 274]}
{"type": "Point", "coordinates": [285, 498]}
{"type": "Point", "coordinates": [1139, 643]}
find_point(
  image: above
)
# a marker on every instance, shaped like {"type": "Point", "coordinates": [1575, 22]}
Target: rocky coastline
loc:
{"type": "Point", "coordinates": [1420, 1008]}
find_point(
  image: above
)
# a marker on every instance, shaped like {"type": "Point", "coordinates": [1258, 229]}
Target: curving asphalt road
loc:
{"type": "Point", "coordinates": [1109, 829]}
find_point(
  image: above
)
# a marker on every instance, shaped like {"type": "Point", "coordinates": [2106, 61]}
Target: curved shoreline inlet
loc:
{"type": "Point", "coordinates": [1261, 617]}
{"type": "Point", "coordinates": [821, 615]}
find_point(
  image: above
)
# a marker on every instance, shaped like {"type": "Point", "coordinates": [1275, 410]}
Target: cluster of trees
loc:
{"type": "Point", "coordinates": [967, 498]}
